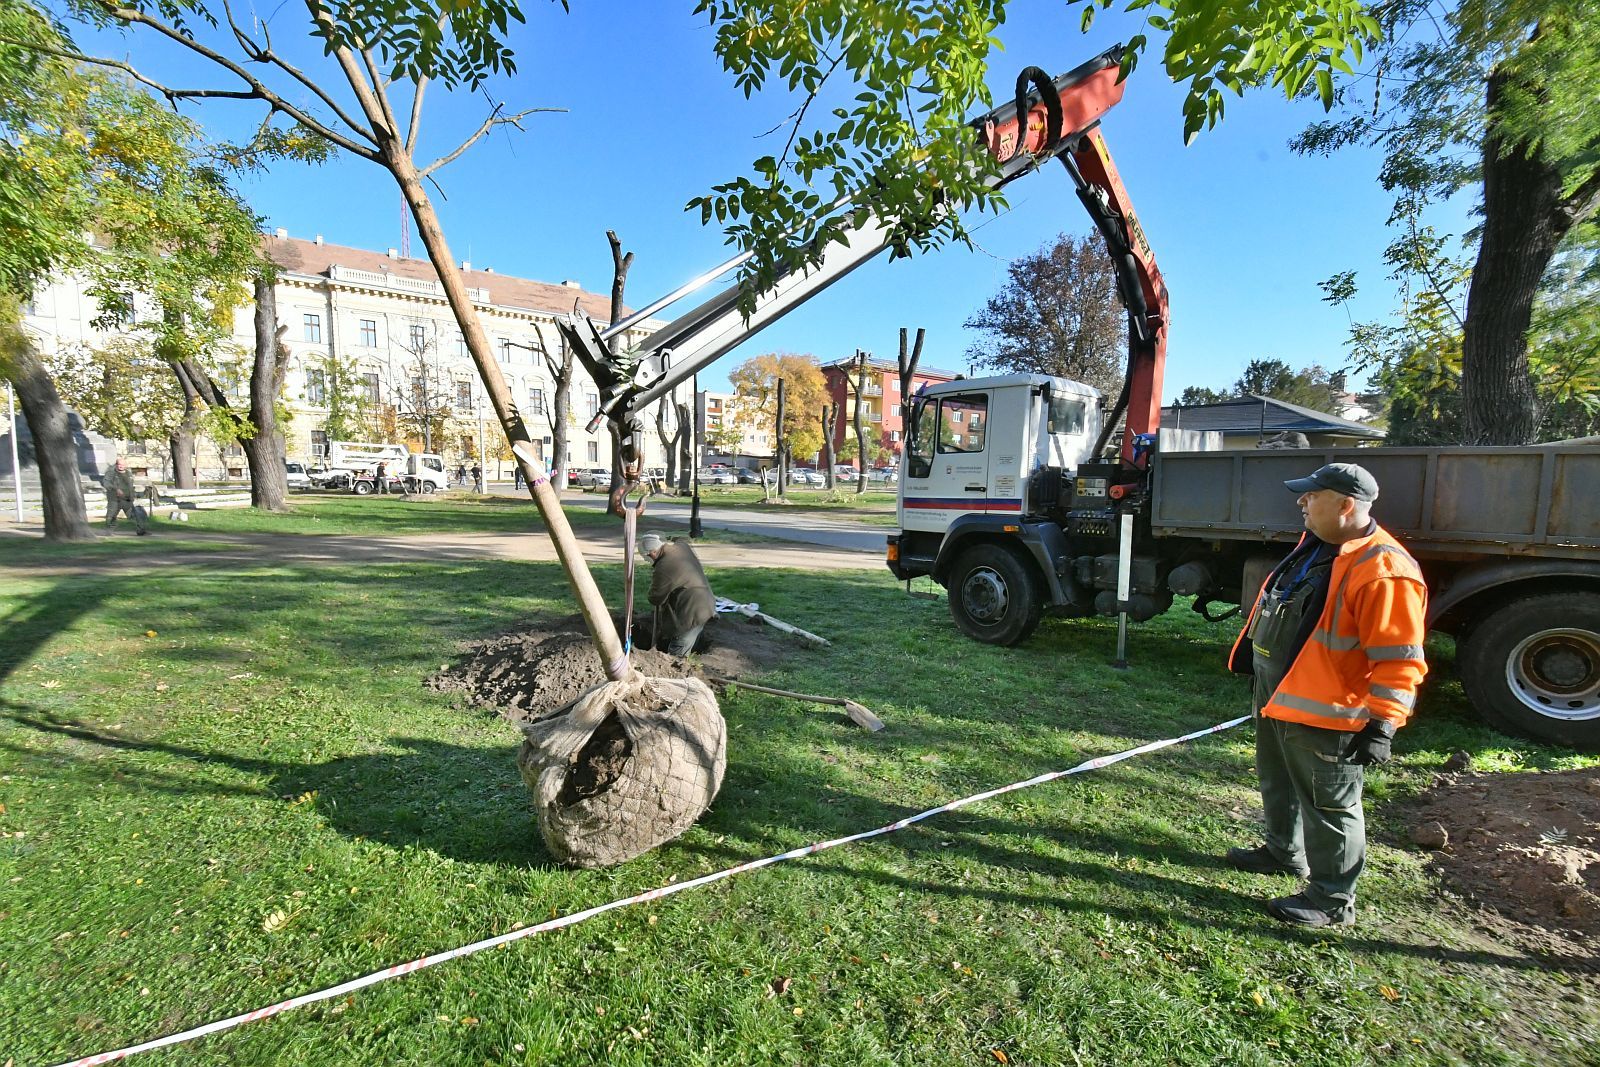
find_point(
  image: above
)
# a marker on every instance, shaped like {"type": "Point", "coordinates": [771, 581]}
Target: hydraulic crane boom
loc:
{"type": "Point", "coordinates": [1049, 118]}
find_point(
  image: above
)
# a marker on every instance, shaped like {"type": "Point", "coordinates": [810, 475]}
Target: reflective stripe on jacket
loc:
{"type": "Point", "coordinates": [1364, 658]}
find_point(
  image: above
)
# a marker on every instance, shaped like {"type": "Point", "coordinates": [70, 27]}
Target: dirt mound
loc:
{"type": "Point", "coordinates": [530, 673]}
{"type": "Point", "coordinates": [1526, 846]}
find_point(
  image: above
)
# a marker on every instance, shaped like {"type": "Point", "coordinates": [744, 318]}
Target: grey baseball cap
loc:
{"type": "Point", "coordinates": [1347, 478]}
{"type": "Point", "coordinates": [650, 542]}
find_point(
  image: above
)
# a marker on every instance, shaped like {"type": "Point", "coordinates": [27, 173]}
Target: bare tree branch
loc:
{"type": "Point", "coordinates": [415, 125]}
{"type": "Point", "coordinates": [380, 89]}
{"type": "Point", "coordinates": [494, 119]}
{"type": "Point", "coordinates": [258, 90]}
{"type": "Point", "coordinates": [259, 54]}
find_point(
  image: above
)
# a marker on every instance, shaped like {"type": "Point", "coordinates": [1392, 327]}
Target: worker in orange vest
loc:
{"type": "Point", "coordinates": [1334, 643]}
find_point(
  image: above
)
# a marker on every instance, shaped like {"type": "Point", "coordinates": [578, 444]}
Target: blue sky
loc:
{"type": "Point", "coordinates": [1242, 227]}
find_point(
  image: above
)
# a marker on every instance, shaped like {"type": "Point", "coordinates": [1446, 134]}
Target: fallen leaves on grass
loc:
{"type": "Point", "coordinates": [1389, 992]}
{"type": "Point", "coordinates": [150, 633]}
{"type": "Point", "coordinates": [779, 987]}
{"type": "Point", "coordinates": [278, 920]}
{"type": "Point", "coordinates": [1000, 1055]}
{"type": "Point", "coordinates": [51, 684]}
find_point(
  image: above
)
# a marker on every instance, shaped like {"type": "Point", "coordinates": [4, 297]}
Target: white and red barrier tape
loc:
{"type": "Point", "coordinates": [655, 894]}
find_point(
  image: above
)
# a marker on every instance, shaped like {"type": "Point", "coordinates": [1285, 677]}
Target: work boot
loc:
{"type": "Point", "coordinates": [1298, 910]}
{"type": "Point", "coordinates": [1260, 860]}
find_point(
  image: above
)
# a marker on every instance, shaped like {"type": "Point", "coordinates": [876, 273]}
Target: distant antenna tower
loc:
{"type": "Point", "coordinates": [405, 228]}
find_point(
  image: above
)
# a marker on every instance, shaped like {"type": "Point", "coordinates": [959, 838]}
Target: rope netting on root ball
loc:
{"type": "Point", "coordinates": [629, 766]}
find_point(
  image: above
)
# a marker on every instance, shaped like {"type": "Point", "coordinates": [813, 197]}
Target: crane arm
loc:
{"type": "Point", "coordinates": [1048, 119]}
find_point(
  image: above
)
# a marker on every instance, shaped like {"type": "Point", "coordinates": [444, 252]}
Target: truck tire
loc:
{"type": "Point", "coordinates": [994, 596]}
{"type": "Point", "coordinates": [364, 488]}
{"type": "Point", "coordinates": [1532, 668]}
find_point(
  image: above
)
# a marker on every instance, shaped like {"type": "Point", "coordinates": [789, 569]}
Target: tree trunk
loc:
{"type": "Point", "coordinates": [1523, 223]}
{"type": "Point", "coordinates": [596, 616]}
{"type": "Point", "coordinates": [830, 416]}
{"type": "Point", "coordinates": [54, 452]}
{"type": "Point", "coordinates": [619, 282]}
{"type": "Point", "coordinates": [781, 449]}
{"type": "Point", "coordinates": [180, 442]}
{"type": "Point", "coordinates": [685, 448]}
{"type": "Point", "coordinates": [559, 405]}
{"type": "Point", "coordinates": [861, 423]}
{"type": "Point", "coordinates": [263, 450]}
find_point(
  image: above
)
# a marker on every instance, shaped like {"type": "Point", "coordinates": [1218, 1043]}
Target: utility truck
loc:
{"type": "Point", "coordinates": [353, 465]}
{"type": "Point", "coordinates": [1014, 497]}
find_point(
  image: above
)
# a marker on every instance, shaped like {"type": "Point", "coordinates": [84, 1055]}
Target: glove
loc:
{"type": "Point", "coordinates": [1372, 744]}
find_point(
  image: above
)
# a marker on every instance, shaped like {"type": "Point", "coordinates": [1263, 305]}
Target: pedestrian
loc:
{"type": "Point", "coordinates": [477, 477]}
{"type": "Point", "coordinates": [1334, 677]}
{"type": "Point", "coordinates": [383, 477]}
{"type": "Point", "coordinates": [516, 479]}
{"type": "Point", "coordinates": [679, 592]}
{"type": "Point", "coordinates": [118, 484]}
{"type": "Point", "coordinates": [461, 475]}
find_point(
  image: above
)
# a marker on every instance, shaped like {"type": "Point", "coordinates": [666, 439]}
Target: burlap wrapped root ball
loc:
{"type": "Point", "coordinates": [629, 766]}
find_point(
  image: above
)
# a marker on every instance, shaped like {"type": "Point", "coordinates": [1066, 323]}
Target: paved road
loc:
{"type": "Point", "coordinates": [801, 526]}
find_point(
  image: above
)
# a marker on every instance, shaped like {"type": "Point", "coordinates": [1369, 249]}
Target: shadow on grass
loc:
{"type": "Point", "coordinates": [467, 804]}
{"type": "Point", "coordinates": [36, 619]}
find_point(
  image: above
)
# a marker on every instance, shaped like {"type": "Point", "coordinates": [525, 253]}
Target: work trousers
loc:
{"type": "Point", "coordinates": [683, 644]}
{"type": "Point", "coordinates": [1312, 799]}
{"type": "Point", "coordinates": [116, 505]}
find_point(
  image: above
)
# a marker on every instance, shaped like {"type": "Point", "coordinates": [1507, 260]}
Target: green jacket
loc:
{"type": "Point", "coordinates": [118, 483]}
{"type": "Point", "coordinates": [680, 592]}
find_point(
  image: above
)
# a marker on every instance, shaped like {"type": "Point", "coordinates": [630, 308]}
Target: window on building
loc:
{"type": "Point", "coordinates": [233, 451]}
{"type": "Point", "coordinates": [136, 448]}
{"type": "Point", "coordinates": [461, 348]}
{"type": "Point", "coordinates": [536, 401]}
{"type": "Point", "coordinates": [369, 333]}
{"type": "Point", "coordinates": [591, 402]}
{"type": "Point", "coordinates": [464, 396]}
{"type": "Point", "coordinates": [319, 443]}
{"type": "Point", "coordinates": [594, 451]}
{"type": "Point", "coordinates": [369, 383]}
{"type": "Point", "coordinates": [977, 417]}
{"type": "Point", "coordinates": [311, 325]}
{"type": "Point", "coordinates": [503, 349]}
{"type": "Point", "coordinates": [894, 409]}
{"type": "Point", "coordinates": [419, 338]}
{"type": "Point", "coordinates": [316, 387]}
{"type": "Point", "coordinates": [894, 435]}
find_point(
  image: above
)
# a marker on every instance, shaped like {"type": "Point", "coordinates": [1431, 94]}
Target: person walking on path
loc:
{"type": "Point", "coordinates": [679, 592]}
{"type": "Point", "coordinates": [477, 477]}
{"type": "Point", "coordinates": [118, 484]}
{"type": "Point", "coordinates": [1334, 644]}
{"type": "Point", "coordinates": [383, 477]}
{"type": "Point", "coordinates": [461, 475]}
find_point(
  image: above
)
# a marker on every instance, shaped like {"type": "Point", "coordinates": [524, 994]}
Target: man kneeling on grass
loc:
{"type": "Point", "coordinates": [679, 592]}
{"type": "Point", "coordinates": [1335, 647]}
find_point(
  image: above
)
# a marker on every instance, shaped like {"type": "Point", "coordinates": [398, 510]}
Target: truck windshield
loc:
{"type": "Point", "coordinates": [963, 422]}
{"type": "Point", "coordinates": [919, 443]}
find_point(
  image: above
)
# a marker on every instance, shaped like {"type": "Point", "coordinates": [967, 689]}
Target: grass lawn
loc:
{"type": "Point", "coordinates": [875, 507]}
{"type": "Point", "coordinates": [223, 789]}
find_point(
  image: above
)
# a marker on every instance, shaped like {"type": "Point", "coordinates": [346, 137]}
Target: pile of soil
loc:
{"type": "Point", "coordinates": [531, 673]}
{"type": "Point", "coordinates": [1526, 846]}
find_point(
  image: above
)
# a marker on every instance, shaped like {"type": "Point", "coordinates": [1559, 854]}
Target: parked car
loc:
{"type": "Point", "coordinates": [884, 475]}
{"type": "Point", "coordinates": [592, 477]}
{"type": "Point", "coordinates": [296, 476]}
{"type": "Point", "coordinates": [806, 476]}
{"type": "Point", "coordinates": [845, 471]}
{"type": "Point", "coordinates": [718, 476]}
{"type": "Point", "coordinates": [746, 476]}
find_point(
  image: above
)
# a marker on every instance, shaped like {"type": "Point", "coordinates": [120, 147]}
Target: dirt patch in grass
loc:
{"type": "Point", "coordinates": [1524, 846]}
{"type": "Point", "coordinates": [533, 672]}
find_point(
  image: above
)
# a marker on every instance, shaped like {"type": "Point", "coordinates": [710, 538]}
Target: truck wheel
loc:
{"type": "Point", "coordinates": [1533, 668]}
{"type": "Point", "coordinates": [994, 597]}
{"type": "Point", "coordinates": [428, 487]}
{"type": "Point", "coordinates": [363, 489]}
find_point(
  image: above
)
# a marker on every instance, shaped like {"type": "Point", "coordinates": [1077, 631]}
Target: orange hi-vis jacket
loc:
{"type": "Point", "coordinates": [1364, 658]}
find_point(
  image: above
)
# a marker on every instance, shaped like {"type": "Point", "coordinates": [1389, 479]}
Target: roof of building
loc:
{"type": "Point", "coordinates": [1251, 413]}
{"type": "Point", "coordinates": [311, 257]}
{"type": "Point", "coordinates": [890, 368]}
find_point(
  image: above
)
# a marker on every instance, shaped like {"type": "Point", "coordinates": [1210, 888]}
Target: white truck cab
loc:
{"type": "Point", "coordinates": [348, 461]}
{"type": "Point", "coordinates": [972, 444]}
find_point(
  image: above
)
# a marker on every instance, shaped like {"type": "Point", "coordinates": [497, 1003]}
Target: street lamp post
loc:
{"type": "Point", "coordinates": [695, 529]}
{"type": "Point", "coordinates": [16, 465]}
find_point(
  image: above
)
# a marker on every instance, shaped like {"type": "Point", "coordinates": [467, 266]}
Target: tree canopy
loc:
{"type": "Point", "coordinates": [1057, 313]}
{"type": "Point", "coordinates": [804, 392]}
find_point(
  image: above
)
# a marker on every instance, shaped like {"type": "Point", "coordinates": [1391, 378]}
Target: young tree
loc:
{"type": "Point", "coordinates": [422, 390]}
{"type": "Point", "coordinates": [558, 412]}
{"type": "Point", "coordinates": [756, 382]}
{"type": "Point", "coordinates": [346, 396]}
{"type": "Point", "coordinates": [830, 420]}
{"type": "Point", "coordinates": [1496, 96]}
{"type": "Point", "coordinates": [858, 418]}
{"type": "Point", "coordinates": [1058, 313]}
{"type": "Point", "coordinates": [620, 263]}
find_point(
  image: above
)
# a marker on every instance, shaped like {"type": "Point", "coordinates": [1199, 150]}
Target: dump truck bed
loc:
{"type": "Point", "coordinates": [1539, 500]}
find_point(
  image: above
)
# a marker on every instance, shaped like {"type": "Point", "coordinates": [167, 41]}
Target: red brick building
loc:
{"type": "Point", "coordinates": [884, 407]}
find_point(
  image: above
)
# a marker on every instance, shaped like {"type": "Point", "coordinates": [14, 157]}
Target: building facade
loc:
{"type": "Point", "coordinates": [376, 355]}
{"type": "Point", "coordinates": [884, 409]}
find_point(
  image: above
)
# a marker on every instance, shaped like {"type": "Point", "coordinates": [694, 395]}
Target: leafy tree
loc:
{"type": "Point", "coordinates": [1310, 388]}
{"type": "Point", "coordinates": [118, 388]}
{"type": "Point", "coordinates": [1057, 313]}
{"type": "Point", "coordinates": [1497, 96]}
{"type": "Point", "coordinates": [1199, 394]}
{"type": "Point", "coordinates": [902, 147]}
{"type": "Point", "coordinates": [756, 383]}
{"type": "Point", "coordinates": [345, 396]}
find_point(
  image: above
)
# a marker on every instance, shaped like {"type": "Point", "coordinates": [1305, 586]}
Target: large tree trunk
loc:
{"type": "Point", "coordinates": [53, 449]}
{"type": "Point", "coordinates": [685, 449]}
{"type": "Point", "coordinates": [180, 442]}
{"type": "Point", "coordinates": [830, 415]}
{"type": "Point", "coordinates": [269, 486]}
{"type": "Point", "coordinates": [1525, 218]}
{"type": "Point", "coordinates": [619, 283]}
